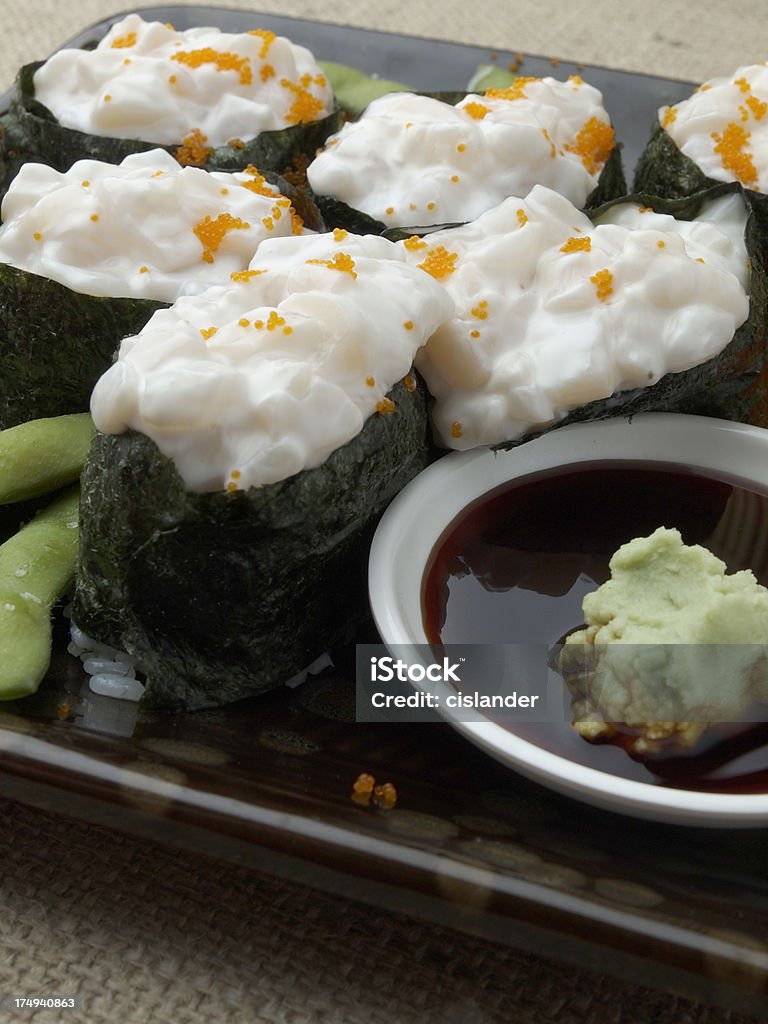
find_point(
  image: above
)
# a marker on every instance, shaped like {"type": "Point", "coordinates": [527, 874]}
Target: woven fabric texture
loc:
{"type": "Point", "coordinates": [140, 932]}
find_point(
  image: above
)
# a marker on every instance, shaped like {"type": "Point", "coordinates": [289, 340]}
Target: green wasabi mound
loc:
{"type": "Point", "coordinates": [672, 642]}
{"type": "Point", "coordinates": [224, 595]}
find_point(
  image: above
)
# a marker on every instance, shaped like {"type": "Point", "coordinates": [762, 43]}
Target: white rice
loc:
{"type": "Point", "coordinates": [112, 672]}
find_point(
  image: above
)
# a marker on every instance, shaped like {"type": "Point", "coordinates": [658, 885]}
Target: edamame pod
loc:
{"type": "Point", "coordinates": [43, 455]}
{"type": "Point", "coordinates": [37, 566]}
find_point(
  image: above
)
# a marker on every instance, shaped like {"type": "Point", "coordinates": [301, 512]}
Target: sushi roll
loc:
{"type": "Point", "coordinates": [213, 99]}
{"type": "Point", "coordinates": [648, 305]}
{"type": "Point", "coordinates": [718, 134]}
{"type": "Point", "coordinates": [417, 160]}
{"type": "Point", "coordinates": [89, 254]}
{"type": "Point", "coordinates": [251, 436]}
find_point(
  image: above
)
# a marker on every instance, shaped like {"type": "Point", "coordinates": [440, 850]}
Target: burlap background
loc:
{"type": "Point", "coordinates": [143, 933]}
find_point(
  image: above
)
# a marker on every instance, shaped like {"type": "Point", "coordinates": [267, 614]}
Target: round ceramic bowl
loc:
{"type": "Point", "coordinates": [421, 513]}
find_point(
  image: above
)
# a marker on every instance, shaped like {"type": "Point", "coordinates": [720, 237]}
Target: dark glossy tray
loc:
{"type": "Point", "coordinates": [470, 844]}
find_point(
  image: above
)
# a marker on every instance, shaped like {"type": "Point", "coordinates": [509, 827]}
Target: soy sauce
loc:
{"type": "Point", "coordinates": [514, 567]}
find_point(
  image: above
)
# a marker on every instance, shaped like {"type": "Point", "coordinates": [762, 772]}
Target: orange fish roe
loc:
{"type": "Point", "coordinates": [222, 60]}
{"type": "Point", "coordinates": [208, 332]}
{"type": "Point", "coordinates": [85, 184]}
{"type": "Point", "coordinates": [743, 84]}
{"type": "Point", "coordinates": [362, 789]}
{"type": "Point", "coordinates": [757, 107]}
{"type": "Point", "coordinates": [461, 147]}
{"type": "Point", "coordinates": [646, 209]}
{"type": "Point", "coordinates": [731, 148]}
{"type": "Point", "coordinates": [408, 325]}
{"type": "Point", "coordinates": [454, 178]}
{"type": "Point", "coordinates": [267, 38]}
{"type": "Point", "coordinates": [243, 322]}
{"type": "Point", "coordinates": [236, 143]}
{"type": "Point", "coordinates": [670, 115]}
{"type": "Point", "coordinates": [476, 110]}
{"type": "Point", "coordinates": [274, 320]}
{"type": "Point", "coordinates": [661, 245]}
{"type": "Point", "coordinates": [431, 206]}
{"type": "Point", "coordinates": [577, 245]}
{"type": "Point", "coordinates": [258, 183]}
{"type": "Point", "coordinates": [385, 407]}
{"type": "Point", "coordinates": [37, 236]}
{"type": "Point", "coordinates": [245, 275]}
{"type": "Point", "coordinates": [411, 206]}
{"type": "Point", "coordinates": [211, 233]}
{"type": "Point", "coordinates": [474, 334]}
{"type": "Point", "coordinates": [107, 98]}
{"type": "Point", "coordinates": [547, 136]}
{"type": "Point", "coordinates": [364, 783]}
{"type": "Point", "coordinates": [480, 312]}
{"type": "Point", "coordinates": [456, 429]}
{"type": "Point", "coordinates": [232, 487]}
{"type": "Point", "coordinates": [439, 262]}
{"type": "Point", "coordinates": [385, 796]}
{"type": "Point", "coordinates": [123, 42]}
{"type": "Point", "coordinates": [172, 79]}
{"type": "Point", "coordinates": [235, 474]}
{"type": "Point", "coordinates": [515, 91]}
{"type": "Point", "coordinates": [94, 217]}
{"type": "Point", "coordinates": [341, 261]}
{"type": "Point", "coordinates": [414, 243]}
{"type": "Point", "coordinates": [339, 234]}
{"type": "Point", "coordinates": [288, 330]}
{"type": "Point", "coordinates": [603, 282]}
{"type": "Point", "coordinates": [305, 106]}
{"type": "Point", "coordinates": [410, 383]}
{"type": "Point", "coordinates": [389, 211]}
{"type": "Point", "coordinates": [370, 381]}
{"type": "Point", "coordinates": [297, 224]}
{"type": "Point", "coordinates": [258, 324]}
{"type": "Point", "coordinates": [594, 144]}
{"type": "Point", "coordinates": [699, 259]}
{"type": "Point", "coordinates": [268, 223]}
{"type": "Point", "coordinates": [143, 270]}
{"type": "Point", "coordinates": [576, 80]}
{"type": "Point", "coordinates": [193, 151]}
{"type": "Point", "coordinates": [267, 72]}
{"type": "Point", "coordinates": [522, 218]}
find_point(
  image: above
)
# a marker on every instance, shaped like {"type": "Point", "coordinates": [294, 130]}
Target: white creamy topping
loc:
{"type": "Point", "coordinates": [147, 228]}
{"type": "Point", "coordinates": [144, 80]}
{"type": "Point", "coordinates": [723, 127]}
{"type": "Point", "coordinates": [553, 312]}
{"type": "Point", "coordinates": [415, 160]}
{"type": "Point", "coordinates": [249, 383]}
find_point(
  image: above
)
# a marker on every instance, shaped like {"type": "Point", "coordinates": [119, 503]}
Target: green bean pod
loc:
{"type": "Point", "coordinates": [37, 566]}
{"type": "Point", "coordinates": [43, 455]}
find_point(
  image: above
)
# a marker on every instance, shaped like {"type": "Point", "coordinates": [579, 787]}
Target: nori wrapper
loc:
{"type": "Point", "coordinates": [224, 595]}
{"type": "Point", "coordinates": [56, 343]}
{"type": "Point", "coordinates": [30, 132]}
{"type": "Point", "coordinates": [732, 385]}
{"type": "Point", "coordinates": [611, 184]}
{"type": "Point", "coordinates": [663, 170]}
